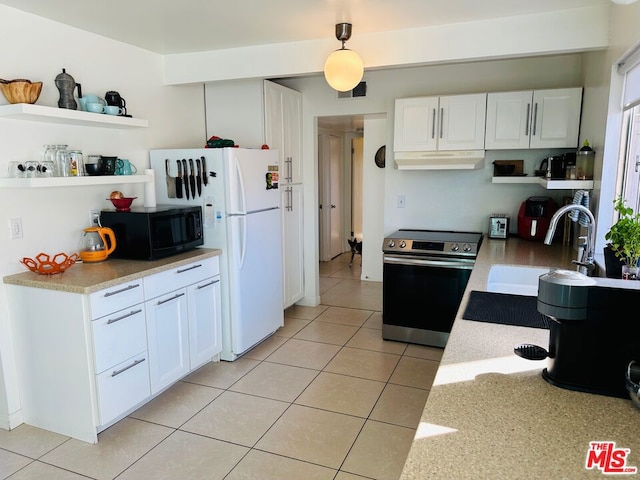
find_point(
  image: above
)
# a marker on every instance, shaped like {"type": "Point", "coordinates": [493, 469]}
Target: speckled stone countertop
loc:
{"type": "Point", "coordinates": [490, 415]}
{"type": "Point", "coordinates": [91, 277]}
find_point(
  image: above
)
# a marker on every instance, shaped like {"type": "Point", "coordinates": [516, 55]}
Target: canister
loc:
{"type": "Point", "coordinates": [584, 162]}
{"type": "Point", "coordinates": [76, 163]}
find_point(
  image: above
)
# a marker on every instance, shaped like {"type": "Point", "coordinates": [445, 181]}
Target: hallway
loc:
{"type": "Point", "coordinates": [323, 398]}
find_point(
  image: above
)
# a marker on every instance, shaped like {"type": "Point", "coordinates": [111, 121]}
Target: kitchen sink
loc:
{"type": "Point", "coordinates": [515, 279]}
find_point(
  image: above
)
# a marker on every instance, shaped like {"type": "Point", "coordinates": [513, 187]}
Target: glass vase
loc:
{"type": "Point", "coordinates": [630, 272]}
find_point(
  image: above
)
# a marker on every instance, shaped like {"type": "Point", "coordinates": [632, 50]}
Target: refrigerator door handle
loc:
{"type": "Point", "coordinates": [243, 243]}
{"type": "Point", "coordinates": [243, 198]}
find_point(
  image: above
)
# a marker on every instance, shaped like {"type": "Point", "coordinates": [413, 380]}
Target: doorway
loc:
{"type": "Point", "coordinates": [340, 183]}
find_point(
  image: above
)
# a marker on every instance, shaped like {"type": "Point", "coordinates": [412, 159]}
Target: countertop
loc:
{"type": "Point", "coordinates": [90, 277]}
{"type": "Point", "coordinates": [490, 415]}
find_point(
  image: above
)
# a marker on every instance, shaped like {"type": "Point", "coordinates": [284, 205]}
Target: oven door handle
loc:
{"type": "Point", "coordinates": [462, 264]}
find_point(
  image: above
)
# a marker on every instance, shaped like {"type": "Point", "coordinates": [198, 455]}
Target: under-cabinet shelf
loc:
{"type": "Point", "coordinates": [566, 184]}
{"type": "Point", "coordinates": [547, 184]}
{"type": "Point", "coordinates": [72, 181]}
{"type": "Point", "coordinates": [515, 179]}
{"type": "Point", "coordinates": [41, 113]}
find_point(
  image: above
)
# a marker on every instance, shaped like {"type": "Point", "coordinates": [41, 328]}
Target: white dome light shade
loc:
{"type": "Point", "coordinates": [343, 70]}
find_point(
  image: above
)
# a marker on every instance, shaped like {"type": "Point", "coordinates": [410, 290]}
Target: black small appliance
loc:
{"type": "Point", "coordinates": [591, 343]}
{"type": "Point", "coordinates": [151, 233]}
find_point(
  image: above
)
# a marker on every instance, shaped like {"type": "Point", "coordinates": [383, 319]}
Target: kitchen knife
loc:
{"type": "Point", "coordinates": [192, 178]}
{"type": "Point", "coordinates": [199, 176]}
{"type": "Point", "coordinates": [205, 175]}
{"type": "Point", "coordinates": [185, 178]}
{"type": "Point", "coordinates": [179, 180]}
{"type": "Point", "coordinates": [171, 184]}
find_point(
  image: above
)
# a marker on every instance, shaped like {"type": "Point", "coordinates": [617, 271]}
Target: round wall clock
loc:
{"type": "Point", "coordinates": [380, 156]}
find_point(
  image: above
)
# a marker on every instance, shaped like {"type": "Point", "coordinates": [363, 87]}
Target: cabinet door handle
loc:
{"type": "Point", "coordinates": [433, 124]}
{"type": "Point", "coordinates": [212, 282]}
{"type": "Point", "coordinates": [535, 118]}
{"type": "Point", "coordinates": [125, 289]}
{"type": "Point", "coordinates": [290, 195]}
{"type": "Point", "coordinates": [135, 362]}
{"type": "Point", "coordinates": [177, 295]}
{"type": "Point", "coordinates": [526, 128]}
{"type": "Point", "coordinates": [122, 317]}
{"type": "Point", "coordinates": [189, 268]}
{"type": "Point", "coordinates": [441, 121]}
{"type": "Point", "coordinates": [290, 169]}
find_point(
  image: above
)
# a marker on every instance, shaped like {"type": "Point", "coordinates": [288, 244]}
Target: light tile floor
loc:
{"type": "Point", "coordinates": [324, 398]}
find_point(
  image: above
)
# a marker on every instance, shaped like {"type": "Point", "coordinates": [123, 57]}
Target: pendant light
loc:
{"type": "Point", "coordinates": [343, 69]}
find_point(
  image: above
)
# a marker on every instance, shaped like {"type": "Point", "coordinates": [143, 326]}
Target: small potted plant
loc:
{"type": "Point", "coordinates": [624, 242]}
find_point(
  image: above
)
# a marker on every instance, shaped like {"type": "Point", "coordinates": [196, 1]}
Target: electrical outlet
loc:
{"type": "Point", "coordinates": [15, 228]}
{"type": "Point", "coordinates": [94, 218]}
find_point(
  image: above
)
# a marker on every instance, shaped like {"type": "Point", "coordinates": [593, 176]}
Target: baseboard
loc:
{"type": "Point", "coordinates": [11, 421]}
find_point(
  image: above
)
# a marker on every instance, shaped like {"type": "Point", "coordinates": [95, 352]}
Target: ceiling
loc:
{"type": "Point", "coordinates": [170, 26]}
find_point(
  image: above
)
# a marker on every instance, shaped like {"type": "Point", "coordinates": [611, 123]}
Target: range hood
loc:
{"type": "Point", "coordinates": [440, 160]}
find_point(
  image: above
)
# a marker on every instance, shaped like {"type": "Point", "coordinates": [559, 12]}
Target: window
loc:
{"type": "Point", "coordinates": [631, 180]}
{"type": "Point", "coordinates": [630, 68]}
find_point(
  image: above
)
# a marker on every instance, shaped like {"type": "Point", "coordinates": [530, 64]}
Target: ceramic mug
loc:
{"type": "Point", "coordinates": [113, 110]}
{"type": "Point", "coordinates": [109, 165]}
{"type": "Point", "coordinates": [90, 98]}
{"type": "Point", "coordinates": [94, 107]}
{"type": "Point", "coordinates": [125, 167]}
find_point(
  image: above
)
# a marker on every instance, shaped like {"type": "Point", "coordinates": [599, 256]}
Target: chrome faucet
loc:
{"type": "Point", "coordinates": [585, 263]}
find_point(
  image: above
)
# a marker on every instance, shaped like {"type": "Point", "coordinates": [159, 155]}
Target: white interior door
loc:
{"type": "Point", "coordinates": [330, 193]}
{"type": "Point", "coordinates": [338, 239]}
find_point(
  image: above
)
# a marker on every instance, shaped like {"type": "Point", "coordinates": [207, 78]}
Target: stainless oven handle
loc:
{"type": "Point", "coordinates": [423, 262]}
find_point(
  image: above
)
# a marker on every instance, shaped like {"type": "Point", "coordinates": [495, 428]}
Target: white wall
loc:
{"type": "Point", "coordinates": [438, 200]}
{"type": "Point", "coordinates": [53, 218]}
{"type": "Point", "coordinates": [603, 112]}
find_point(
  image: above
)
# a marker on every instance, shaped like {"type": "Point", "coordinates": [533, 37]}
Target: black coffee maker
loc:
{"type": "Point", "coordinates": [113, 98]}
{"type": "Point", "coordinates": [590, 343]}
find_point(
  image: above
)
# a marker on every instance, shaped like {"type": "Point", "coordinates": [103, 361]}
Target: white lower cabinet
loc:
{"type": "Point", "coordinates": [85, 361]}
{"type": "Point", "coordinates": [168, 339]}
{"type": "Point", "coordinates": [205, 335]}
{"type": "Point", "coordinates": [183, 325]}
{"type": "Point", "coordinates": [122, 387]}
{"type": "Point", "coordinates": [292, 242]}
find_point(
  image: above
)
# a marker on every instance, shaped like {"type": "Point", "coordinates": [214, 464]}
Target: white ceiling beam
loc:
{"type": "Point", "coordinates": [519, 36]}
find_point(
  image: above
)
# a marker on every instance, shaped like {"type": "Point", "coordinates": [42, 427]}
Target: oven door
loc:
{"type": "Point", "coordinates": [421, 296]}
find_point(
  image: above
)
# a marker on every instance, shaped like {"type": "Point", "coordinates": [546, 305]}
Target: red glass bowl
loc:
{"type": "Point", "coordinates": [122, 204]}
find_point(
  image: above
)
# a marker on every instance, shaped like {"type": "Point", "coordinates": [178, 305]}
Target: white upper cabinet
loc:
{"type": "Point", "coordinates": [455, 122]}
{"type": "Point", "coordinates": [533, 119]}
{"type": "Point", "coordinates": [283, 113]}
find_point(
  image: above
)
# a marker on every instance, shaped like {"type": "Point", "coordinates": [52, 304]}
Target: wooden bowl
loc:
{"type": "Point", "coordinates": [45, 265]}
{"type": "Point", "coordinates": [21, 91]}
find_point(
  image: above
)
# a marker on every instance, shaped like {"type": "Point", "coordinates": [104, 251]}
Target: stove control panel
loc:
{"type": "Point", "coordinates": [392, 245]}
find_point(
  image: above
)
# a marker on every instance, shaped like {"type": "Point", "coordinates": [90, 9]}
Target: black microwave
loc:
{"type": "Point", "coordinates": [150, 233]}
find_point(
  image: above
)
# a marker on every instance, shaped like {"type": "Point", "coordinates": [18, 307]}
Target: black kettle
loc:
{"type": "Point", "coordinates": [113, 98]}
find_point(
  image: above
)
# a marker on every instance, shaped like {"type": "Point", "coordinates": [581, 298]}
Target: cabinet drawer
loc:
{"type": "Point", "coordinates": [122, 387]}
{"type": "Point", "coordinates": [119, 336]}
{"type": "Point", "coordinates": [180, 277]}
{"type": "Point", "coordinates": [116, 298]}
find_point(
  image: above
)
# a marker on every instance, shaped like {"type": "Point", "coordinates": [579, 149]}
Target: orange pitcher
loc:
{"type": "Point", "coordinates": [97, 244]}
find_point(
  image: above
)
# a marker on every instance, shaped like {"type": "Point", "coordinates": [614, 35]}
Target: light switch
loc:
{"type": "Point", "coordinates": [401, 201]}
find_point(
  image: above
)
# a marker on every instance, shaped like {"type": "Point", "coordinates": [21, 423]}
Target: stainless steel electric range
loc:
{"type": "Point", "coordinates": [425, 273]}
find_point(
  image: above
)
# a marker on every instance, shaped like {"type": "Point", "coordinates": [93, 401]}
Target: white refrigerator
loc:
{"type": "Point", "coordinates": [238, 191]}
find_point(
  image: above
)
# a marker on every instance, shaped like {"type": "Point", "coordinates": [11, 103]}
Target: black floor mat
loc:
{"type": "Point", "coordinates": [504, 308]}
